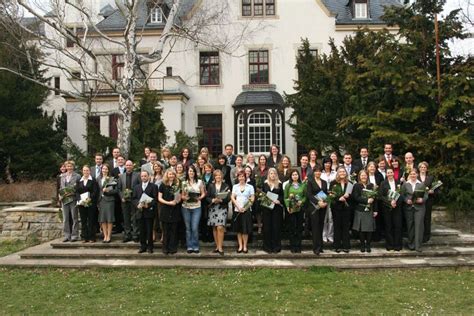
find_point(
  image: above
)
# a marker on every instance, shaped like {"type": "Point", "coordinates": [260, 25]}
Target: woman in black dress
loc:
{"type": "Point", "coordinates": [317, 208]}
{"type": "Point", "coordinates": [87, 207]}
{"type": "Point", "coordinates": [169, 197]}
{"type": "Point", "coordinates": [222, 166]}
{"type": "Point", "coordinates": [427, 180]}
{"type": "Point", "coordinates": [243, 196]}
{"type": "Point", "coordinates": [259, 174]}
{"type": "Point", "coordinates": [392, 211]}
{"type": "Point", "coordinates": [273, 217]}
{"type": "Point", "coordinates": [218, 209]}
{"type": "Point", "coordinates": [341, 189]}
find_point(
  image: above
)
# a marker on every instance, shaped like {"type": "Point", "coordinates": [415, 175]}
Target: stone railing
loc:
{"type": "Point", "coordinates": [32, 220]}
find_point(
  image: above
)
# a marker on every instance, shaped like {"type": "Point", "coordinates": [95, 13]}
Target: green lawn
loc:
{"type": "Point", "coordinates": [254, 291]}
{"type": "Point", "coordinates": [8, 247]}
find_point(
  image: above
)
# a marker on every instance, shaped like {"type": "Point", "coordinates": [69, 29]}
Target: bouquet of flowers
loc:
{"type": "Point", "coordinates": [369, 194]}
{"type": "Point", "coordinates": [294, 206]}
{"type": "Point", "coordinates": [336, 194]}
{"type": "Point", "coordinates": [176, 191]}
{"type": "Point", "coordinates": [265, 200]}
{"type": "Point", "coordinates": [259, 182]}
{"type": "Point", "coordinates": [67, 194]}
{"type": "Point", "coordinates": [85, 200]}
{"type": "Point", "coordinates": [192, 195]}
{"type": "Point", "coordinates": [435, 186]}
{"type": "Point", "coordinates": [353, 177]}
{"type": "Point", "coordinates": [109, 182]}
{"type": "Point", "coordinates": [321, 196]}
{"type": "Point", "coordinates": [420, 193]}
{"type": "Point", "coordinates": [145, 201]}
{"type": "Point", "coordinates": [127, 195]}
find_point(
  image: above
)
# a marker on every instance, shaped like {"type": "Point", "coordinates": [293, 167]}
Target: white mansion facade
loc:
{"type": "Point", "coordinates": [236, 98]}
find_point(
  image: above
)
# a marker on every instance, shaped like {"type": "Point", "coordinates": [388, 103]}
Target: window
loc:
{"type": "Point", "coordinates": [240, 134]}
{"type": "Point", "coordinates": [269, 7]}
{"type": "Point", "coordinates": [57, 85]}
{"type": "Point", "coordinates": [113, 129]}
{"type": "Point", "coordinates": [156, 15]}
{"type": "Point", "coordinates": [258, 7]}
{"type": "Point", "coordinates": [76, 75]}
{"type": "Point", "coordinates": [312, 52]}
{"type": "Point", "coordinates": [211, 132]}
{"type": "Point", "coordinates": [246, 7]}
{"type": "Point", "coordinates": [360, 9]}
{"type": "Point", "coordinates": [260, 132]}
{"type": "Point", "coordinates": [117, 66]}
{"type": "Point", "coordinates": [258, 67]}
{"type": "Point", "coordinates": [209, 68]}
{"type": "Point", "coordinates": [69, 41]}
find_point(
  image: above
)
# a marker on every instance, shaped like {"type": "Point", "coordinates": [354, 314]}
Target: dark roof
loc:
{"type": "Point", "coordinates": [342, 10]}
{"type": "Point", "coordinates": [116, 21]}
{"type": "Point", "coordinates": [107, 10]}
{"type": "Point", "coordinates": [258, 98]}
{"type": "Point", "coordinates": [33, 24]}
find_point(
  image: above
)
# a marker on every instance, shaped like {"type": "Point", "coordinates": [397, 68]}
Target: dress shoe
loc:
{"type": "Point", "coordinates": [321, 250]}
{"type": "Point", "coordinates": [338, 250]}
{"type": "Point", "coordinates": [196, 251]}
{"type": "Point", "coordinates": [221, 253]}
{"type": "Point", "coordinates": [66, 240]}
{"type": "Point", "coordinates": [239, 250]}
{"type": "Point", "coordinates": [141, 250]}
{"type": "Point", "coordinates": [345, 250]}
{"type": "Point", "coordinates": [84, 241]}
{"type": "Point", "coordinates": [150, 250]}
{"type": "Point", "coordinates": [125, 240]}
{"type": "Point", "coordinates": [398, 249]}
{"type": "Point", "coordinates": [189, 251]}
{"type": "Point", "coordinates": [215, 251]}
{"type": "Point", "coordinates": [73, 240]}
{"type": "Point", "coordinates": [245, 251]}
{"type": "Point", "coordinates": [316, 252]}
{"type": "Point", "coordinates": [104, 241]}
{"type": "Point", "coordinates": [368, 249]}
{"type": "Point", "coordinates": [135, 240]}
{"type": "Point", "coordinates": [362, 249]}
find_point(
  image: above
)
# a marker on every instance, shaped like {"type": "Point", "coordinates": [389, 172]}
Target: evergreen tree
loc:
{"type": "Point", "coordinates": [29, 145]}
{"type": "Point", "coordinates": [147, 125]}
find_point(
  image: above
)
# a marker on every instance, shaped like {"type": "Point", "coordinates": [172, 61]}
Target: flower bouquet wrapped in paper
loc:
{"type": "Point", "coordinates": [85, 200]}
{"type": "Point", "coordinates": [67, 194]}
{"type": "Point", "coordinates": [127, 195]}
{"type": "Point", "coordinates": [267, 200]}
{"type": "Point", "coordinates": [145, 201]}
{"type": "Point", "coordinates": [369, 194]}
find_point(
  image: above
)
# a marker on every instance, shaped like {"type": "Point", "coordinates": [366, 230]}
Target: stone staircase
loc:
{"type": "Point", "coordinates": [447, 248]}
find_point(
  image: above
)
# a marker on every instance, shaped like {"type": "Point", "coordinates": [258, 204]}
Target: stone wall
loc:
{"type": "Point", "coordinates": [31, 220]}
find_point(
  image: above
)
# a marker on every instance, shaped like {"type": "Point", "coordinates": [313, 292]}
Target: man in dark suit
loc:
{"type": "Point", "coordinates": [113, 163]}
{"type": "Point", "coordinates": [351, 169]}
{"type": "Point", "coordinates": [145, 212]}
{"type": "Point", "coordinates": [364, 159]}
{"type": "Point", "coordinates": [120, 167]}
{"type": "Point", "coordinates": [304, 169]}
{"type": "Point", "coordinates": [229, 154]}
{"type": "Point", "coordinates": [388, 154]}
{"type": "Point", "coordinates": [127, 181]}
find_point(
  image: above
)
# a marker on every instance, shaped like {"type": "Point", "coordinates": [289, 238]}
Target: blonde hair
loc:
{"type": "Point", "coordinates": [338, 179]}
{"type": "Point", "coordinates": [423, 163]}
{"type": "Point", "coordinates": [166, 179]}
{"type": "Point", "coordinates": [276, 182]}
{"type": "Point", "coordinates": [70, 162]}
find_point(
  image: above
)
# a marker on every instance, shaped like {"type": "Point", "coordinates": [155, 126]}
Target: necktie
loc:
{"type": "Point", "coordinates": [97, 171]}
{"type": "Point", "coordinates": [364, 162]}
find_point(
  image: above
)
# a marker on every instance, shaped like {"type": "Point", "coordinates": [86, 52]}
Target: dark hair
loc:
{"type": "Point", "coordinates": [228, 145]}
{"type": "Point", "coordinates": [189, 154]}
{"type": "Point", "coordinates": [99, 154]}
{"type": "Point", "coordinates": [108, 168]}
{"type": "Point", "coordinates": [291, 174]}
{"type": "Point", "coordinates": [327, 160]}
{"type": "Point", "coordinates": [241, 173]}
{"type": "Point", "coordinates": [317, 167]}
{"type": "Point", "coordinates": [195, 173]}
{"type": "Point", "coordinates": [304, 155]}
{"type": "Point", "coordinates": [221, 156]}
{"type": "Point", "coordinates": [348, 154]}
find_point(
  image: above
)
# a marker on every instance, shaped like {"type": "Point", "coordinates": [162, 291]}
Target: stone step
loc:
{"type": "Point", "coordinates": [307, 244]}
{"type": "Point", "coordinates": [127, 254]}
{"type": "Point", "coordinates": [244, 263]}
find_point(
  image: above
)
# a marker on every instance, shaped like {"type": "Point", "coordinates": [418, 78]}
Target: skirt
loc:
{"type": "Point", "coordinates": [217, 216]}
{"type": "Point", "coordinates": [106, 212]}
{"type": "Point", "coordinates": [364, 221]}
{"type": "Point", "coordinates": [243, 222]}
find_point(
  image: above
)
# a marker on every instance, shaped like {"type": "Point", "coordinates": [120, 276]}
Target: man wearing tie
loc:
{"type": "Point", "coordinates": [97, 169]}
{"type": "Point", "coordinates": [145, 212]}
{"type": "Point", "coordinates": [120, 169]}
{"type": "Point", "coordinates": [362, 162]}
{"type": "Point", "coordinates": [304, 169]}
{"type": "Point", "coordinates": [127, 181]}
{"type": "Point", "coordinates": [113, 163]}
{"type": "Point", "coordinates": [388, 154]}
{"type": "Point", "coordinates": [352, 170]}
{"type": "Point", "coordinates": [152, 157]}
{"type": "Point", "coordinates": [116, 172]}
{"type": "Point", "coordinates": [229, 153]}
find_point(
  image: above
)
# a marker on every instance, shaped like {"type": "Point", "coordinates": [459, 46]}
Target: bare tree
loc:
{"type": "Point", "coordinates": [196, 21]}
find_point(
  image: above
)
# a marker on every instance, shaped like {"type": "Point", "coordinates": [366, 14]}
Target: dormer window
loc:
{"type": "Point", "coordinates": [360, 9]}
{"type": "Point", "coordinates": [156, 15]}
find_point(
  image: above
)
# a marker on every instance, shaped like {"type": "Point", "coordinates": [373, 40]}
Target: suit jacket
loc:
{"type": "Point", "coordinates": [147, 167]}
{"type": "Point", "coordinates": [309, 172]}
{"type": "Point", "coordinates": [122, 182]}
{"type": "Point", "coordinates": [212, 193]}
{"type": "Point", "coordinates": [271, 163]}
{"type": "Point", "coordinates": [116, 172]}
{"type": "Point", "coordinates": [110, 162]}
{"type": "Point", "coordinates": [225, 174]}
{"type": "Point", "coordinates": [152, 191]}
{"type": "Point", "coordinates": [93, 171]}
{"type": "Point", "coordinates": [336, 204]}
{"type": "Point", "coordinates": [359, 200]}
{"type": "Point", "coordinates": [313, 189]}
{"type": "Point", "coordinates": [62, 182]}
{"type": "Point", "coordinates": [383, 190]}
{"type": "Point", "coordinates": [232, 160]}
{"type": "Point", "coordinates": [106, 196]}
{"type": "Point", "coordinates": [279, 191]}
{"type": "Point", "coordinates": [90, 187]}
{"type": "Point", "coordinates": [359, 164]}
{"type": "Point", "coordinates": [354, 169]}
{"type": "Point", "coordinates": [408, 195]}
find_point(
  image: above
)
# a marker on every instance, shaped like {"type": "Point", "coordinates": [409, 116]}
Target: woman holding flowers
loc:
{"type": "Point", "coordinates": [414, 197]}
{"type": "Point", "coordinates": [193, 192]}
{"type": "Point", "coordinates": [218, 200]}
{"type": "Point", "coordinates": [272, 212]}
{"type": "Point", "coordinates": [295, 198]}
{"type": "Point", "coordinates": [391, 207]}
{"type": "Point", "coordinates": [243, 195]}
{"type": "Point", "coordinates": [427, 180]}
{"type": "Point", "coordinates": [169, 198]}
{"type": "Point", "coordinates": [260, 173]}
{"type": "Point", "coordinates": [317, 195]}
{"type": "Point", "coordinates": [67, 186]}
{"type": "Point", "coordinates": [329, 176]}
{"type": "Point", "coordinates": [340, 191]}
{"type": "Point", "coordinates": [364, 195]}
{"type": "Point", "coordinates": [108, 191]}
{"type": "Point", "coordinates": [87, 191]}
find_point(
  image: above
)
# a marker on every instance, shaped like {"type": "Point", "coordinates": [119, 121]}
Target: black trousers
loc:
{"type": "Point", "coordinates": [130, 224]}
{"type": "Point", "coordinates": [272, 222]}
{"type": "Point", "coordinates": [87, 222]}
{"type": "Point", "coordinates": [146, 233]}
{"type": "Point", "coordinates": [170, 237]}
{"type": "Point", "coordinates": [317, 224]}
{"type": "Point", "coordinates": [341, 216]}
{"type": "Point", "coordinates": [427, 219]}
{"type": "Point", "coordinates": [393, 227]}
{"type": "Point", "coordinates": [295, 230]}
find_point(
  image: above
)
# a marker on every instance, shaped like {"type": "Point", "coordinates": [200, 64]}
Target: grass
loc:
{"type": "Point", "coordinates": [252, 291]}
{"type": "Point", "coordinates": [8, 247]}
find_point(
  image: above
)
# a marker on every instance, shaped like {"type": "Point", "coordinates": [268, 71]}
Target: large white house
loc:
{"type": "Point", "coordinates": [235, 98]}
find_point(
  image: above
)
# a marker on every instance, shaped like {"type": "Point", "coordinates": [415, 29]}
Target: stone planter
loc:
{"type": "Point", "coordinates": [31, 220]}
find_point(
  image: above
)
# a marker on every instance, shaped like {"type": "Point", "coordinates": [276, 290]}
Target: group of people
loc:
{"type": "Point", "coordinates": [175, 198]}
